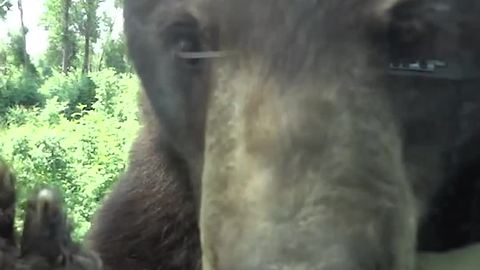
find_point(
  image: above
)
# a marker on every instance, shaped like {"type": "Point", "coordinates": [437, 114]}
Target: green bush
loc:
{"type": "Point", "coordinates": [74, 88]}
{"type": "Point", "coordinates": [113, 93]}
{"type": "Point", "coordinates": [80, 155]}
{"type": "Point", "coordinates": [18, 87]}
{"type": "Point", "coordinates": [20, 115]}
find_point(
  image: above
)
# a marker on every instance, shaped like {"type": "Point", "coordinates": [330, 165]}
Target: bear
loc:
{"type": "Point", "coordinates": [274, 136]}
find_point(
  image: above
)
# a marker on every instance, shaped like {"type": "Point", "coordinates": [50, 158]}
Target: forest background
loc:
{"type": "Point", "coordinates": [68, 100]}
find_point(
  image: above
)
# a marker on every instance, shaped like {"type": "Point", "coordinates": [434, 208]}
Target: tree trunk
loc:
{"type": "Point", "coordinates": [24, 33]}
{"type": "Point", "coordinates": [86, 54]}
{"type": "Point", "coordinates": [66, 50]}
{"type": "Point", "coordinates": [88, 33]}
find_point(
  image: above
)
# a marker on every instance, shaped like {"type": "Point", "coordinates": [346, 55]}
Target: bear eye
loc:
{"type": "Point", "coordinates": [184, 37]}
{"type": "Point", "coordinates": [186, 41]}
{"type": "Point", "coordinates": [185, 46]}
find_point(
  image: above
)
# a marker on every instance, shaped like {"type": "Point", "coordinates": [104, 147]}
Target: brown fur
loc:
{"type": "Point", "coordinates": [155, 191]}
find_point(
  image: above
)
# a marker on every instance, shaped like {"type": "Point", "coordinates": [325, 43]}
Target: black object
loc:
{"type": "Point", "coordinates": [457, 67]}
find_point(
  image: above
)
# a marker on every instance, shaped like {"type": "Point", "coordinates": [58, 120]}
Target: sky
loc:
{"type": "Point", "coordinates": [37, 37]}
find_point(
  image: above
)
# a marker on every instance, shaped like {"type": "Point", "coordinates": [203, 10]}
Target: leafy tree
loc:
{"type": "Point", "coordinates": [63, 43]}
{"type": "Point", "coordinates": [14, 53]}
{"type": "Point", "coordinates": [85, 20]}
{"type": "Point", "coordinates": [73, 27]}
{"type": "Point", "coordinates": [114, 51]}
{"type": "Point", "coordinates": [115, 56]}
{"type": "Point", "coordinates": [66, 44]}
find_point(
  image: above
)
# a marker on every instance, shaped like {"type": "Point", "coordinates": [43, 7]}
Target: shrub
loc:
{"type": "Point", "coordinates": [74, 88]}
{"type": "Point", "coordinates": [81, 155]}
{"type": "Point", "coordinates": [18, 87]}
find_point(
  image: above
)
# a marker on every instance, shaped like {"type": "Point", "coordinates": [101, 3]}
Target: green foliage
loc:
{"type": "Point", "coordinates": [82, 156]}
{"type": "Point", "coordinates": [11, 54]}
{"type": "Point", "coordinates": [19, 115]}
{"type": "Point", "coordinates": [18, 83]}
{"type": "Point", "coordinates": [115, 55]}
{"type": "Point", "coordinates": [112, 94]}
{"type": "Point", "coordinates": [18, 87]}
{"type": "Point", "coordinates": [74, 88]}
{"type": "Point", "coordinates": [44, 69]}
{"type": "Point", "coordinates": [82, 11]}
{"type": "Point", "coordinates": [15, 54]}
